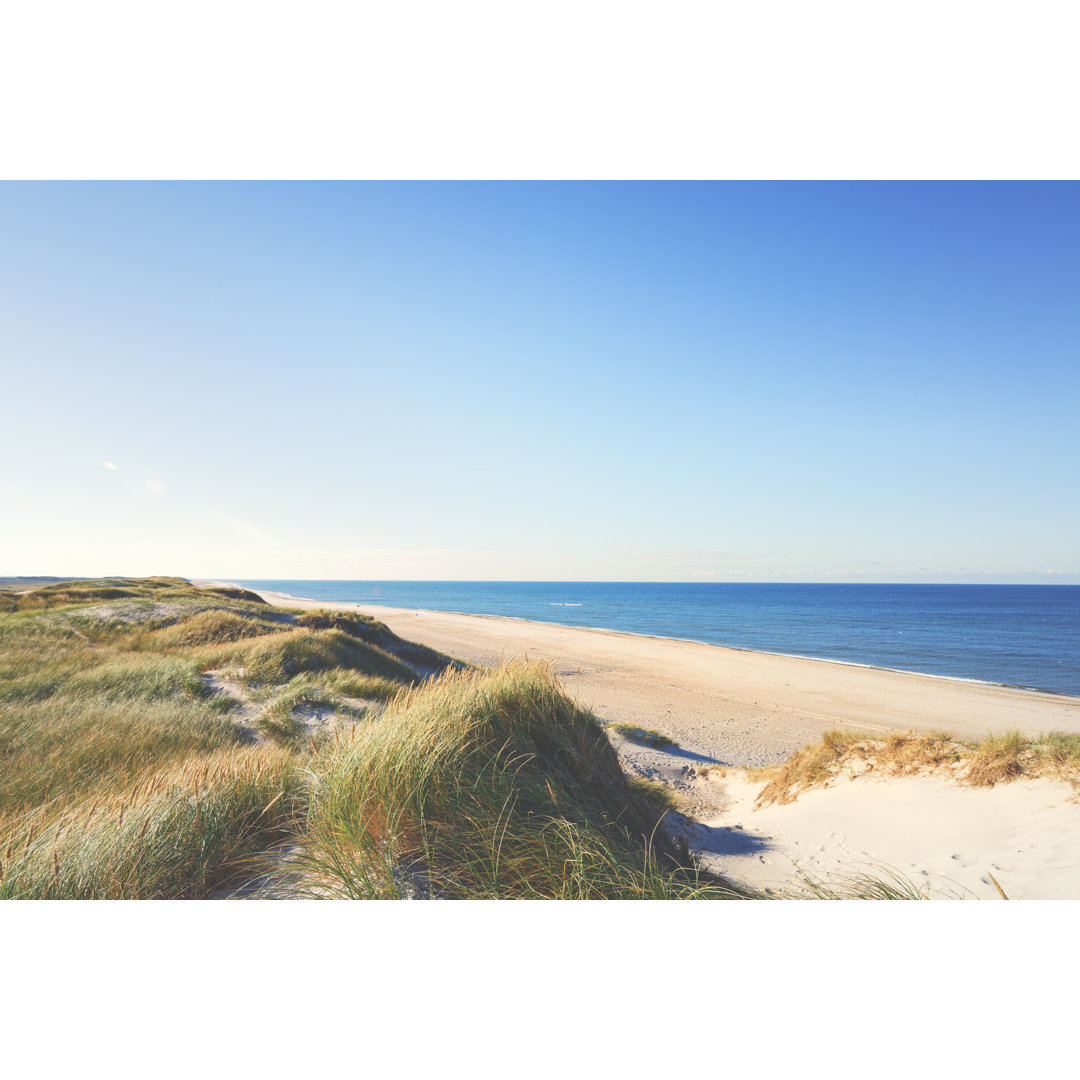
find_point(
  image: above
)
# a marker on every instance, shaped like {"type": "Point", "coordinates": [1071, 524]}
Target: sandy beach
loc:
{"type": "Point", "coordinates": [732, 706]}
{"type": "Point", "coordinates": [735, 708]}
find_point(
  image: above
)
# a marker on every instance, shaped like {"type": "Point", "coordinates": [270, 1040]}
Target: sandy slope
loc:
{"type": "Point", "coordinates": [946, 838]}
{"type": "Point", "coordinates": [735, 707]}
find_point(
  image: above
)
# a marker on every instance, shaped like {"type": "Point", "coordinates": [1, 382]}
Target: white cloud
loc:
{"type": "Point", "coordinates": [109, 465]}
{"type": "Point", "coordinates": [155, 487]}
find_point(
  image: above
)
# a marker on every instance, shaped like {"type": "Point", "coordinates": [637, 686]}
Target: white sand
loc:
{"type": "Point", "coordinates": [945, 838]}
{"type": "Point", "coordinates": [736, 707]}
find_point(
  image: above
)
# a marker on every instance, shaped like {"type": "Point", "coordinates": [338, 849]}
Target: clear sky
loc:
{"type": "Point", "coordinates": [625, 381]}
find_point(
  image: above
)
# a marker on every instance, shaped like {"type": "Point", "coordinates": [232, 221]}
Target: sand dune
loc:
{"type": "Point", "coordinates": [732, 706]}
{"type": "Point", "coordinates": [945, 838]}
{"type": "Point", "coordinates": [740, 708]}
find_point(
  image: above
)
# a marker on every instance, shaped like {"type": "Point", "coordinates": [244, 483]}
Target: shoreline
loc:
{"type": "Point", "coordinates": [691, 641]}
{"type": "Point", "coordinates": [724, 704]}
{"type": "Point", "coordinates": [651, 637]}
{"type": "Point", "coordinates": [736, 708]}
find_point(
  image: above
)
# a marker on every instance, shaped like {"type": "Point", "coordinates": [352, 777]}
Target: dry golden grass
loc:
{"type": "Point", "coordinates": [212, 628]}
{"type": "Point", "coordinates": [993, 760]}
{"type": "Point", "coordinates": [489, 785]}
{"type": "Point", "coordinates": [122, 772]}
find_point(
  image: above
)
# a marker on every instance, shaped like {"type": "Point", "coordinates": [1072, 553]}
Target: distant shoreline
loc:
{"type": "Point", "coordinates": [738, 706]}
{"type": "Point", "coordinates": [1025, 688]}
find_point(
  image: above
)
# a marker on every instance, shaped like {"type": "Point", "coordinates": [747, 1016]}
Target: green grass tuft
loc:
{"type": "Point", "coordinates": [212, 628]}
{"type": "Point", "coordinates": [652, 791]}
{"type": "Point", "coordinates": [646, 736]}
{"type": "Point", "coordinates": [179, 833]}
{"type": "Point", "coordinates": [488, 785]}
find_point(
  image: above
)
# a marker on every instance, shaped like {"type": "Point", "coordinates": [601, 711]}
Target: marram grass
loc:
{"type": "Point", "coordinates": [488, 785]}
{"type": "Point", "coordinates": [977, 763]}
{"type": "Point", "coordinates": [179, 833]}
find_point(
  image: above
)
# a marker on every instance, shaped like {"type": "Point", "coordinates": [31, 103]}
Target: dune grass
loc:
{"type": "Point", "coordinates": [104, 685]}
{"type": "Point", "coordinates": [660, 795]}
{"type": "Point", "coordinates": [273, 659]}
{"type": "Point", "coordinates": [488, 785]}
{"type": "Point", "coordinates": [212, 627]}
{"type": "Point", "coordinates": [279, 719]}
{"type": "Point", "coordinates": [180, 832]}
{"type": "Point", "coordinates": [367, 629]}
{"type": "Point", "coordinates": [979, 763]}
{"type": "Point", "coordinates": [353, 684]}
{"type": "Point", "coordinates": [645, 736]}
{"type": "Point", "coordinates": [877, 882]}
{"type": "Point", "coordinates": [78, 592]}
{"type": "Point", "coordinates": [60, 750]}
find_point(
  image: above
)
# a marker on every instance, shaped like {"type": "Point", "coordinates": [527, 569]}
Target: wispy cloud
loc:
{"type": "Point", "coordinates": [110, 465]}
{"type": "Point", "coordinates": [155, 486]}
{"type": "Point", "coordinates": [249, 531]}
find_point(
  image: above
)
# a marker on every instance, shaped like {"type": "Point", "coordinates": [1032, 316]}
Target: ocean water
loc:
{"type": "Point", "coordinates": [1019, 635]}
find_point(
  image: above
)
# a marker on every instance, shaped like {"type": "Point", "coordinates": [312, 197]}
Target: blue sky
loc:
{"type": "Point", "coordinates": [625, 381]}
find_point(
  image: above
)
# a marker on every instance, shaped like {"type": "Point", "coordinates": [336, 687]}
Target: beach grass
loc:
{"type": "Point", "coordinates": [875, 883]}
{"type": "Point", "coordinates": [489, 785]}
{"type": "Point", "coordinates": [997, 758]}
{"type": "Point", "coordinates": [108, 715]}
{"type": "Point", "coordinates": [645, 736]}
{"type": "Point", "coordinates": [181, 831]}
{"type": "Point", "coordinates": [655, 792]}
{"type": "Point", "coordinates": [127, 774]}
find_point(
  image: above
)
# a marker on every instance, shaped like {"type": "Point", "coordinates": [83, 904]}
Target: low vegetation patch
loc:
{"type": "Point", "coordinates": [231, 593]}
{"type": "Point", "coordinates": [282, 718]}
{"type": "Point", "coordinates": [64, 593]}
{"type": "Point", "coordinates": [645, 736]}
{"type": "Point", "coordinates": [655, 792]}
{"type": "Point", "coordinates": [365, 628]}
{"type": "Point", "coordinates": [982, 763]}
{"type": "Point", "coordinates": [279, 657]}
{"type": "Point", "coordinates": [213, 628]}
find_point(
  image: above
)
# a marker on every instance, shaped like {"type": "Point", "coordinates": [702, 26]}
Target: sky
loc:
{"type": "Point", "coordinates": [714, 381]}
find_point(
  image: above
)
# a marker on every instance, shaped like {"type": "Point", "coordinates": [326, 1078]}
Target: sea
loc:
{"type": "Point", "coordinates": [1017, 635]}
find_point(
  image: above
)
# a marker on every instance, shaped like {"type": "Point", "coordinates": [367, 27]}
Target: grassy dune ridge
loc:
{"type": "Point", "coordinates": [976, 763]}
{"type": "Point", "coordinates": [489, 785]}
{"type": "Point", "coordinates": [158, 741]}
